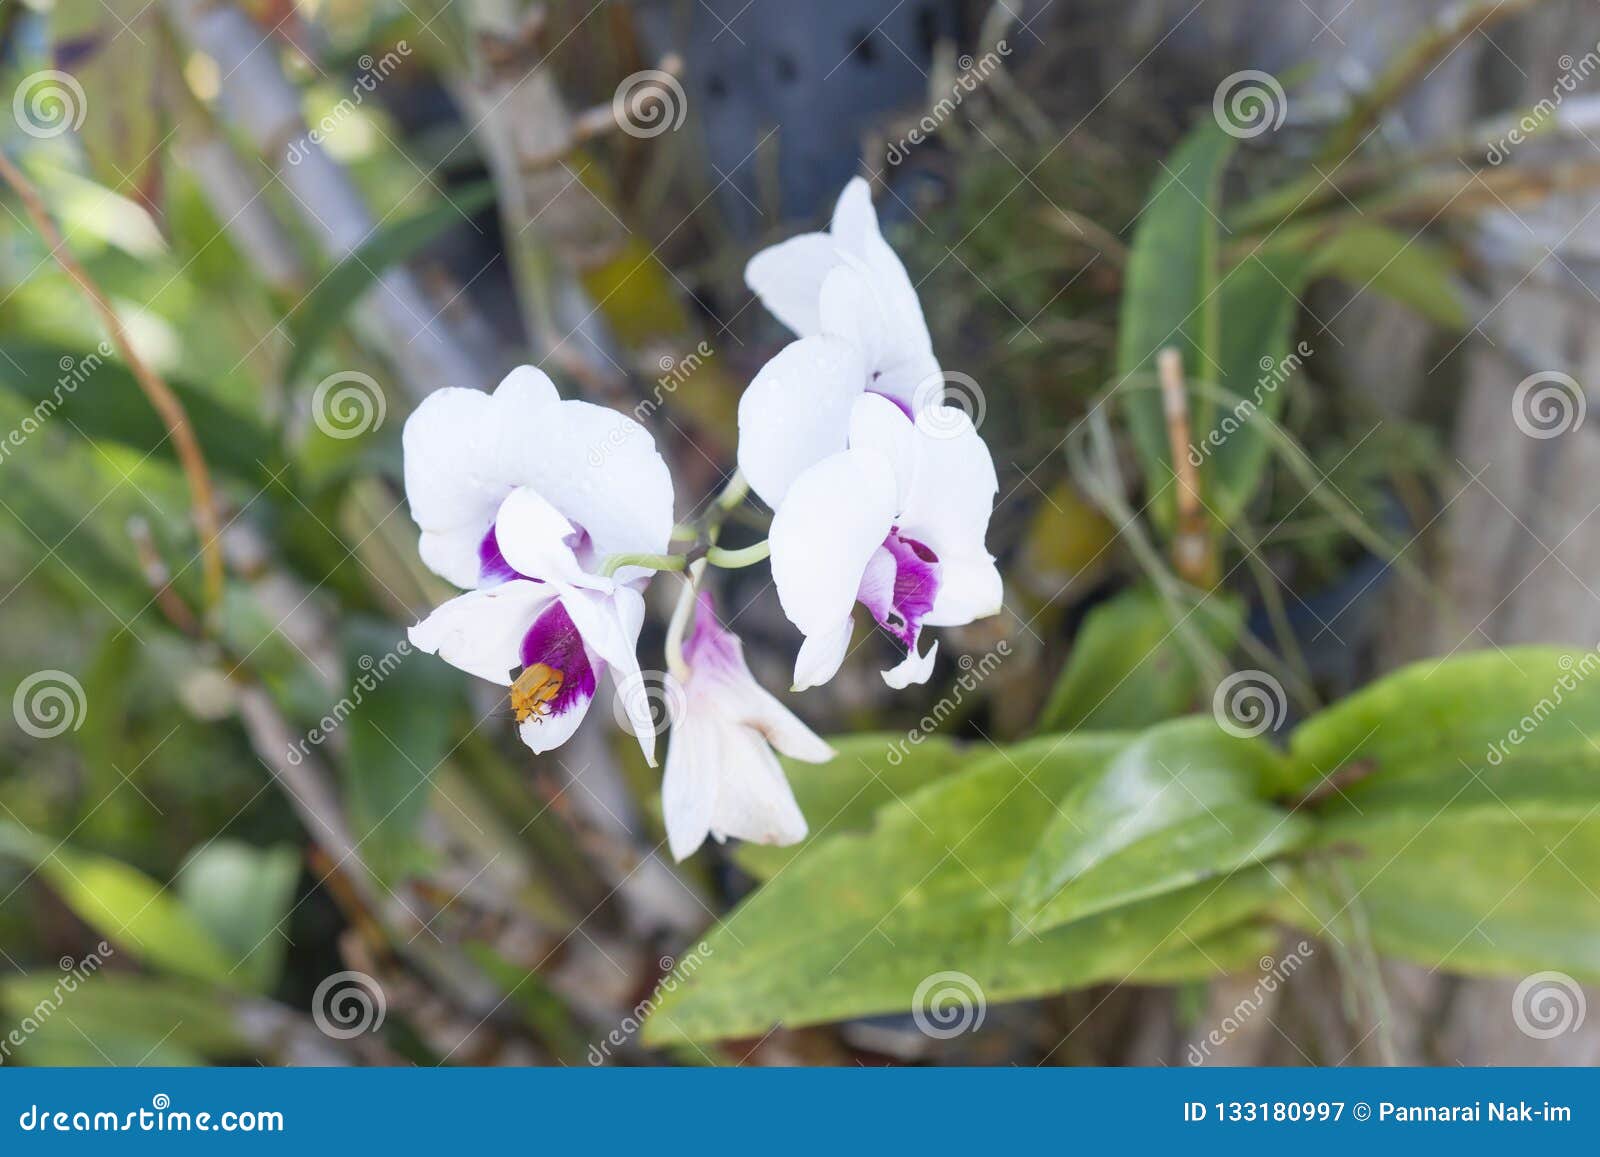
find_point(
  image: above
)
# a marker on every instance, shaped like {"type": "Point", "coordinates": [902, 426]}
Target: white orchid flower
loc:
{"type": "Point", "coordinates": [881, 492]}
{"type": "Point", "coordinates": [515, 504]}
{"type": "Point", "coordinates": [861, 329]}
{"type": "Point", "coordinates": [722, 777]}
{"type": "Point", "coordinates": [895, 522]}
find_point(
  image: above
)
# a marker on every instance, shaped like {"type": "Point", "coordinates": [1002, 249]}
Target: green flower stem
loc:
{"type": "Point", "coordinates": [616, 562]}
{"type": "Point", "coordinates": [733, 559]}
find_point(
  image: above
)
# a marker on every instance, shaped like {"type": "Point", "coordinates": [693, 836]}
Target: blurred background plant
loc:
{"type": "Point", "coordinates": [1238, 298]}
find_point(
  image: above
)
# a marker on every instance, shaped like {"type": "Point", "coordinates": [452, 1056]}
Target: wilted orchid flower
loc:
{"type": "Point", "coordinates": [722, 777]}
{"type": "Point", "coordinates": [881, 491]}
{"type": "Point", "coordinates": [895, 522]}
{"type": "Point", "coordinates": [514, 504]}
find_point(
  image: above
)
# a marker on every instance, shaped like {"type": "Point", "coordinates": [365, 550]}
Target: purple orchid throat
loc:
{"type": "Point", "coordinates": [903, 407]}
{"type": "Point", "coordinates": [492, 565]}
{"type": "Point", "coordinates": [899, 585]}
{"type": "Point", "coordinates": [709, 645]}
{"type": "Point", "coordinates": [553, 640]}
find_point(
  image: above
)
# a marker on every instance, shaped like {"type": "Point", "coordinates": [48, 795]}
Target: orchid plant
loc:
{"type": "Point", "coordinates": [881, 494]}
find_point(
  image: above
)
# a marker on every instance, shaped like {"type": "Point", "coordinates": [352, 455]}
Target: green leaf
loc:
{"type": "Point", "coordinates": [1461, 811]}
{"type": "Point", "coordinates": [1407, 269]}
{"type": "Point", "coordinates": [856, 925]}
{"type": "Point", "coordinates": [324, 309]}
{"type": "Point", "coordinates": [99, 396]}
{"type": "Point", "coordinates": [88, 1017]}
{"type": "Point", "coordinates": [1258, 302]}
{"type": "Point", "coordinates": [1479, 709]}
{"type": "Point", "coordinates": [1181, 804]}
{"type": "Point", "coordinates": [398, 716]}
{"type": "Point", "coordinates": [128, 908]}
{"type": "Point", "coordinates": [842, 795]}
{"type": "Point", "coordinates": [1232, 328]}
{"type": "Point", "coordinates": [1168, 298]}
{"type": "Point", "coordinates": [1130, 666]}
{"type": "Point", "coordinates": [241, 895]}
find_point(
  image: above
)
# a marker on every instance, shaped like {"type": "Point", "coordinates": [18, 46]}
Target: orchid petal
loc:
{"type": "Point", "coordinates": [796, 412]}
{"type": "Point", "coordinates": [481, 632]}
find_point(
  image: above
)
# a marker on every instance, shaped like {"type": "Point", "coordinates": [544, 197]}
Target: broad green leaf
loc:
{"type": "Point", "coordinates": [241, 894]}
{"type": "Point", "coordinates": [1168, 299]}
{"type": "Point", "coordinates": [1238, 948]}
{"type": "Point", "coordinates": [99, 396]}
{"type": "Point", "coordinates": [853, 927]}
{"type": "Point", "coordinates": [324, 309]}
{"type": "Point", "coordinates": [1461, 804]}
{"type": "Point", "coordinates": [841, 795]}
{"type": "Point", "coordinates": [1183, 803]}
{"type": "Point", "coordinates": [1407, 269]}
{"type": "Point", "coordinates": [110, 1018]}
{"type": "Point", "coordinates": [1477, 709]}
{"type": "Point", "coordinates": [128, 908]}
{"type": "Point", "coordinates": [1130, 665]}
{"type": "Point", "coordinates": [398, 719]}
